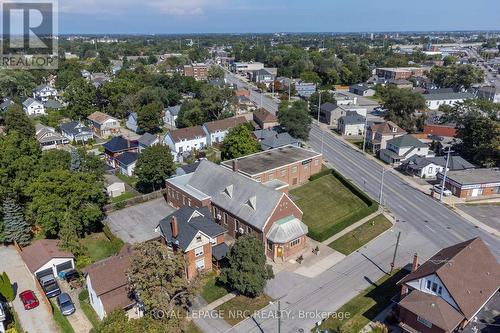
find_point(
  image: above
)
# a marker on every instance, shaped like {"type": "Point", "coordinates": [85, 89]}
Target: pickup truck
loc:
{"type": "Point", "coordinates": [50, 286]}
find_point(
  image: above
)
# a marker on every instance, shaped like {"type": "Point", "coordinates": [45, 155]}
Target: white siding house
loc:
{"type": "Point", "coordinates": [32, 107]}
{"type": "Point", "coordinates": [95, 300]}
{"type": "Point", "coordinates": [402, 148]}
{"type": "Point", "coordinates": [185, 140]}
{"type": "Point", "coordinates": [44, 93]}
{"type": "Point", "coordinates": [434, 101]}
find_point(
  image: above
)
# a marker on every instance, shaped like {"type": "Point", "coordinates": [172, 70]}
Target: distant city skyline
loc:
{"type": "Point", "coordinates": [260, 16]}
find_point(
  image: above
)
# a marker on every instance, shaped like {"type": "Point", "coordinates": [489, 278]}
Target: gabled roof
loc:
{"type": "Point", "coordinates": [406, 140]}
{"type": "Point", "coordinates": [265, 116]}
{"type": "Point", "coordinates": [387, 127]}
{"type": "Point", "coordinates": [100, 118]}
{"type": "Point", "coordinates": [147, 139]}
{"type": "Point", "coordinates": [53, 104]}
{"type": "Point", "coordinates": [447, 96]}
{"type": "Point", "coordinates": [29, 101]}
{"type": "Point", "coordinates": [190, 222]}
{"type": "Point", "coordinates": [328, 106]}
{"type": "Point", "coordinates": [119, 143]}
{"type": "Point", "coordinates": [41, 252]}
{"type": "Point", "coordinates": [127, 158]}
{"type": "Point", "coordinates": [432, 308]}
{"type": "Point", "coordinates": [455, 162]}
{"type": "Point", "coordinates": [74, 127]}
{"type": "Point", "coordinates": [352, 117]}
{"type": "Point", "coordinates": [42, 87]}
{"type": "Point", "coordinates": [173, 110]}
{"type": "Point", "coordinates": [109, 279]}
{"type": "Point", "coordinates": [278, 140]}
{"type": "Point", "coordinates": [133, 115]}
{"type": "Point", "coordinates": [6, 103]}
{"type": "Point", "coordinates": [234, 193]}
{"type": "Point", "coordinates": [468, 270]}
{"type": "Point", "coordinates": [362, 87]}
{"type": "Point", "coordinates": [224, 124]}
{"type": "Point", "coordinates": [47, 134]}
{"type": "Point", "coordinates": [188, 133]}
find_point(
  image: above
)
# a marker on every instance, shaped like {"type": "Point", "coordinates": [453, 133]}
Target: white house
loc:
{"type": "Point", "coordinates": [402, 148]}
{"type": "Point", "coordinates": [107, 285]}
{"type": "Point", "coordinates": [185, 140]}
{"type": "Point", "coordinates": [217, 130]}
{"type": "Point", "coordinates": [115, 189]}
{"type": "Point", "coordinates": [48, 138]}
{"type": "Point", "coordinates": [429, 167]}
{"type": "Point", "coordinates": [344, 99]}
{"type": "Point", "coordinates": [44, 257]}
{"type": "Point", "coordinates": [351, 124]}
{"type": "Point", "coordinates": [103, 125]}
{"type": "Point", "coordinates": [434, 101]}
{"type": "Point", "coordinates": [44, 92]}
{"type": "Point", "coordinates": [126, 162]}
{"type": "Point", "coordinates": [170, 115]}
{"type": "Point", "coordinates": [32, 107]}
{"type": "Point", "coordinates": [76, 131]}
{"type": "Point", "coordinates": [132, 123]}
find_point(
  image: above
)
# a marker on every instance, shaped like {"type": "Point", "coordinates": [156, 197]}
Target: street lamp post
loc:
{"type": "Point", "coordinates": [395, 253]}
{"type": "Point", "coordinates": [444, 176]}
{"type": "Point", "coordinates": [384, 170]}
{"type": "Point", "coordinates": [364, 132]}
{"type": "Point", "coordinates": [319, 108]}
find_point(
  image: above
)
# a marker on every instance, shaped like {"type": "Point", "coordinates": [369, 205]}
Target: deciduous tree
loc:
{"type": "Point", "coordinates": [17, 120]}
{"type": "Point", "coordinates": [149, 117]}
{"type": "Point", "coordinates": [238, 142]}
{"type": "Point", "coordinates": [154, 165]}
{"type": "Point", "coordinates": [294, 118]}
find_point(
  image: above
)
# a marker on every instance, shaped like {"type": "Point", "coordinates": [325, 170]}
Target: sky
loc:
{"type": "Point", "coordinates": [260, 16]}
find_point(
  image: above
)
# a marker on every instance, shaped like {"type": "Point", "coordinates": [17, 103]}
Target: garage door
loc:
{"type": "Point", "coordinates": [44, 272]}
{"type": "Point", "coordinates": [63, 266]}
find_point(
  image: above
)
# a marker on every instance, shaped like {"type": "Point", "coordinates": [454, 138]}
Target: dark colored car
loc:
{"type": "Point", "coordinates": [29, 299]}
{"type": "Point", "coordinates": [65, 304]}
{"type": "Point", "coordinates": [50, 286]}
{"type": "Point", "coordinates": [71, 275]}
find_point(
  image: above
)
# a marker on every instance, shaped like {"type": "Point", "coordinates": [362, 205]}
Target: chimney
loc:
{"type": "Point", "coordinates": [174, 227]}
{"type": "Point", "coordinates": [414, 265]}
{"type": "Point", "coordinates": [235, 165]}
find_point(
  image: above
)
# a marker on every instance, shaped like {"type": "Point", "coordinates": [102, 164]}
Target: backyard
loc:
{"type": "Point", "coordinates": [99, 246]}
{"type": "Point", "coordinates": [366, 306]}
{"type": "Point", "coordinates": [329, 206]}
{"type": "Point", "coordinates": [358, 237]}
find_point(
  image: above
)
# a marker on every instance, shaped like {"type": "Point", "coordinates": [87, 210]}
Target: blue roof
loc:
{"type": "Point", "coordinates": [127, 158]}
{"type": "Point", "coordinates": [118, 143]}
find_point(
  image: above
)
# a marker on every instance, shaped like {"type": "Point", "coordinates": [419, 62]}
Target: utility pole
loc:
{"type": "Point", "coordinates": [395, 253]}
{"type": "Point", "coordinates": [364, 132]}
{"type": "Point", "coordinates": [289, 85]}
{"type": "Point", "coordinates": [279, 316]}
{"type": "Point", "coordinates": [444, 176]}
{"type": "Point", "coordinates": [382, 187]}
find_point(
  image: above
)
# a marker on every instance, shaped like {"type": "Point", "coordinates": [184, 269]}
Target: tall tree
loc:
{"type": "Point", "coordinates": [294, 118]}
{"type": "Point", "coordinates": [6, 288]}
{"type": "Point", "coordinates": [401, 105]}
{"type": "Point", "coordinates": [247, 271]}
{"type": "Point", "coordinates": [149, 117]}
{"type": "Point", "coordinates": [16, 228]}
{"type": "Point", "coordinates": [456, 76]}
{"type": "Point", "coordinates": [314, 100]}
{"type": "Point", "coordinates": [76, 161]}
{"type": "Point", "coordinates": [191, 114]}
{"type": "Point", "coordinates": [17, 120]}
{"type": "Point", "coordinates": [154, 165]}
{"type": "Point", "coordinates": [54, 159]}
{"type": "Point", "coordinates": [159, 277]}
{"type": "Point", "coordinates": [238, 142]}
{"type": "Point", "coordinates": [81, 97]}
{"type": "Point", "coordinates": [215, 72]}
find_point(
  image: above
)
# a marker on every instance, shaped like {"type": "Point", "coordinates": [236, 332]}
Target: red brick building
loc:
{"type": "Point", "coordinates": [290, 165]}
{"type": "Point", "coordinates": [473, 183]}
{"type": "Point", "coordinates": [448, 130]}
{"type": "Point", "coordinates": [449, 290]}
{"type": "Point", "coordinates": [197, 70]}
{"type": "Point", "coordinates": [242, 206]}
{"type": "Point", "coordinates": [193, 232]}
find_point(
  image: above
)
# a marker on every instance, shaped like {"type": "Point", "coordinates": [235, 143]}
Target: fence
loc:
{"type": "Point", "coordinates": [135, 200]}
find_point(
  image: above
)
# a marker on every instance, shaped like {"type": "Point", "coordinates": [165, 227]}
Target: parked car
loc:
{"type": "Point", "coordinates": [69, 275]}
{"type": "Point", "coordinates": [2, 315]}
{"type": "Point", "coordinates": [29, 299]}
{"type": "Point", "coordinates": [437, 189]}
{"type": "Point", "coordinates": [65, 304]}
{"type": "Point", "coordinates": [49, 285]}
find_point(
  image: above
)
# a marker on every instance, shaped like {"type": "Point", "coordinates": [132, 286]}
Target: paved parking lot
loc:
{"type": "Point", "coordinates": [487, 214]}
{"type": "Point", "coordinates": [35, 320]}
{"type": "Point", "coordinates": [136, 224]}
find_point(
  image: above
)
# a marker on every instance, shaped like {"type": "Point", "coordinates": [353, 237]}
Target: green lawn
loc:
{"type": "Point", "coordinates": [358, 237]}
{"type": "Point", "coordinates": [83, 298]}
{"type": "Point", "coordinates": [211, 289]}
{"type": "Point", "coordinates": [130, 180]}
{"type": "Point", "coordinates": [98, 246]}
{"type": "Point", "coordinates": [326, 202]}
{"type": "Point", "coordinates": [61, 321]}
{"type": "Point", "coordinates": [360, 310]}
{"type": "Point", "coordinates": [358, 143]}
{"type": "Point", "coordinates": [124, 196]}
{"type": "Point", "coordinates": [241, 307]}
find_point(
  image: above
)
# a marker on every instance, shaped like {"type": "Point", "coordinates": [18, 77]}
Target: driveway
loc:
{"type": "Point", "coordinates": [137, 224]}
{"type": "Point", "coordinates": [38, 319]}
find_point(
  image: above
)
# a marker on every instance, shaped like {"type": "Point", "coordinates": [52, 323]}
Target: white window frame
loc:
{"type": "Point", "coordinates": [200, 264]}
{"type": "Point", "coordinates": [198, 252]}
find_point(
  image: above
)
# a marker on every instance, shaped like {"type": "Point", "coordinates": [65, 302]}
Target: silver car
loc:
{"type": "Point", "coordinates": [65, 304]}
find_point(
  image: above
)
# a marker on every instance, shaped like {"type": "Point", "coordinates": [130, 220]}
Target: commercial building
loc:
{"type": "Point", "coordinates": [433, 101]}
{"type": "Point", "coordinates": [490, 93]}
{"type": "Point", "coordinates": [291, 165]}
{"type": "Point", "coordinates": [242, 206]}
{"type": "Point", "coordinates": [398, 73]}
{"type": "Point", "coordinates": [473, 183]}
{"type": "Point", "coordinates": [198, 70]}
{"type": "Point", "coordinates": [243, 67]}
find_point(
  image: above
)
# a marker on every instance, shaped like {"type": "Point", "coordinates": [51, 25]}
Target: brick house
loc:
{"type": "Point", "coordinates": [197, 70]}
{"type": "Point", "coordinates": [446, 292]}
{"type": "Point", "coordinates": [194, 232]}
{"type": "Point", "coordinates": [473, 183]}
{"type": "Point", "coordinates": [378, 134]}
{"type": "Point", "coordinates": [242, 206]}
{"type": "Point", "coordinates": [291, 165]}
{"type": "Point", "coordinates": [448, 130]}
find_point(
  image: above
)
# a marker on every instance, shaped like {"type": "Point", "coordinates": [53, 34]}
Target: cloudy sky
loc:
{"type": "Point", "coordinates": [206, 16]}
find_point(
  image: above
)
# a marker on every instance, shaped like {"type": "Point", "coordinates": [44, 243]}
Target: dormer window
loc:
{"type": "Point", "coordinates": [252, 202]}
{"type": "Point", "coordinates": [229, 191]}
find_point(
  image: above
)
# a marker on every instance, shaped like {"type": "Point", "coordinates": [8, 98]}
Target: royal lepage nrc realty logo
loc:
{"type": "Point", "coordinates": [29, 34]}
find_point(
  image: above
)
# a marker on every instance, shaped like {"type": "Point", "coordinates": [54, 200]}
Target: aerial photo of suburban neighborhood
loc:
{"type": "Point", "coordinates": [237, 166]}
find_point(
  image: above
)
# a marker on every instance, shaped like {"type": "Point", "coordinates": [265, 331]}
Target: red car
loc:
{"type": "Point", "coordinates": [29, 299]}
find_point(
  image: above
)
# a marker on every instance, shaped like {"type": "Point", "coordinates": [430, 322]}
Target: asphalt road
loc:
{"type": "Point", "coordinates": [259, 99]}
{"type": "Point", "coordinates": [425, 225]}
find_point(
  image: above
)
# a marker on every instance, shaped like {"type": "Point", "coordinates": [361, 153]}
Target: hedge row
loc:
{"type": "Point", "coordinates": [372, 207]}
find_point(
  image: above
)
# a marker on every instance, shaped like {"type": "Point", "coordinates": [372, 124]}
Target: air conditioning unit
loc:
{"type": "Point", "coordinates": [241, 231]}
{"type": "Point", "coordinates": [219, 217]}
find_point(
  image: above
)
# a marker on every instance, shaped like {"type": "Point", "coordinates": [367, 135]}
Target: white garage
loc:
{"type": "Point", "coordinates": [44, 257]}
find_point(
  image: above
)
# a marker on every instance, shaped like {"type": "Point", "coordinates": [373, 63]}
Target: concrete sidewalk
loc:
{"type": "Point", "coordinates": [352, 227]}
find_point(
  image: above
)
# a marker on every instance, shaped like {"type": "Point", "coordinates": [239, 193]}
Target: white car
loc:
{"type": "Point", "coordinates": [437, 189]}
